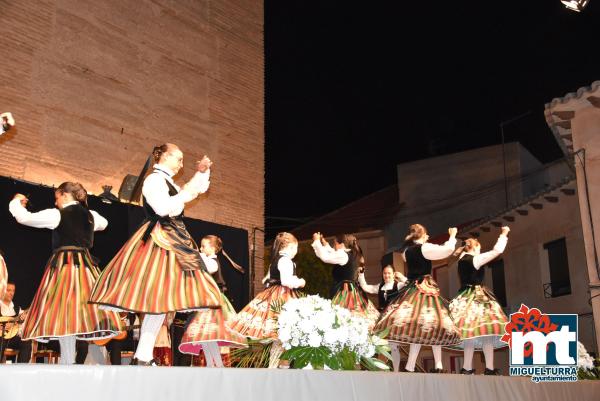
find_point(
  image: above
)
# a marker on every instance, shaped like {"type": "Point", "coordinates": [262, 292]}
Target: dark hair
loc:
{"type": "Point", "coordinates": [159, 151]}
{"type": "Point", "coordinates": [11, 283]}
{"type": "Point", "coordinates": [467, 246]}
{"type": "Point", "coordinates": [75, 189]}
{"type": "Point", "coordinates": [215, 241]}
{"type": "Point", "coordinates": [282, 240]}
{"type": "Point", "coordinates": [415, 231]}
{"type": "Point", "coordinates": [386, 266]}
{"type": "Point", "coordinates": [350, 242]}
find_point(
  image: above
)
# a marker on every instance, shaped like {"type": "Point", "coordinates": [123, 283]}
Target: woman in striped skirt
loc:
{"type": "Point", "coordinates": [258, 319]}
{"type": "Point", "coordinates": [159, 269]}
{"type": "Point", "coordinates": [419, 316]}
{"type": "Point", "coordinates": [207, 330]}
{"type": "Point", "coordinates": [60, 309]}
{"type": "Point", "coordinates": [347, 258]}
{"type": "Point", "coordinates": [475, 310]}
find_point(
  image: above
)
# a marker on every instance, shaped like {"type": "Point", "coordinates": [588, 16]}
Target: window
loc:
{"type": "Point", "coordinates": [558, 264]}
{"type": "Point", "coordinates": [498, 281]}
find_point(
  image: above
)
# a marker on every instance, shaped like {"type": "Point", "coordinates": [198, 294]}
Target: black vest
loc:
{"type": "Point", "coordinates": [467, 272]}
{"type": "Point", "coordinates": [274, 273]}
{"type": "Point", "coordinates": [218, 276]}
{"type": "Point", "coordinates": [76, 228]}
{"type": "Point", "coordinates": [416, 264]}
{"type": "Point", "coordinates": [387, 296]}
{"type": "Point", "coordinates": [346, 272]}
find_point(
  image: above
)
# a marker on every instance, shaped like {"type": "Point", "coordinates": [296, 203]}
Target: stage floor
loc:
{"type": "Point", "coordinates": [108, 383]}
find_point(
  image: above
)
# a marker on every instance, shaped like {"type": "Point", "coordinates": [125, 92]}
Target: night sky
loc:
{"type": "Point", "coordinates": [354, 89]}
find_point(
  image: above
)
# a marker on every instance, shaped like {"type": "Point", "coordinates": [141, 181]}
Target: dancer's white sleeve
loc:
{"type": "Point", "coordinates": [484, 258]}
{"type": "Point", "coordinates": [47, 218]}
{"type": "Point", "coordinates": [437, 252]}
{"type": "Point", "coordinates": [328, 255]}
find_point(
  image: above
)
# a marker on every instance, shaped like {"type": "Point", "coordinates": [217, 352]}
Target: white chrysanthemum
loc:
{"type": "Point", "coordinates": [584, 360]}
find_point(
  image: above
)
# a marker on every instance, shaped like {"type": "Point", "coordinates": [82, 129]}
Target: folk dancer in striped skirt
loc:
{"type": "Point", "coordinates": [475, 310]}
{"type": "Point", "coordinates": [207, 330]}
{"type": "Point", "coordinates": [347, 257]}
{"type": "Point", "coordinates": [159, 269]}
{"type": "Point", "coordinates": [419, 316]}
{"type": "Point", "coordinates": [6, 122]}
{"type": "Point", "coordinates": [387, 290]}
{"type": "Point", "coordinates": [258, 319]}
{"type": "Point", "coordinates": [59, 309]}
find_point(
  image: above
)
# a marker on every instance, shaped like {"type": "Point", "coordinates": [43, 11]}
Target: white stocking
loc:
{"type": "Point", "coordinates": [468, 354]}
{"type": "Point", "coordinates": [412, 357]}
{"type": "Point", "coordinates": [395, 348]}
{"type": "Point", "coordinates": [488, 351]}
{"type": "Point", "coordinates": [148, 333]}
{"type": "Point", "coordinates": [437, 356]}
{"type": "Point", "coordinates": [212, 353]}
{"type": "Point", "coordinates": [67, 350]}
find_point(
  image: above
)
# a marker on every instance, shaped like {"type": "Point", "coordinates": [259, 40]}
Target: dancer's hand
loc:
{"type": "Point", "coordinates": [398, 276]}
{"type": "Point", "coordinates": [452, 231]}
{"type": "Point", "coordinates": [323, 240]}
{"type": "Point", "coordinates": [302, 283]}
{"type": "Point", "coordinates": [204, 164]}
{"type": "Point", "coordinates": [7, 119]}
{"type": "Point", "coordinates": [316, 237]}
{"type": "Point", "coordinates": [22, 198]}
{"type": "Point", "coordinates": [505, 230]}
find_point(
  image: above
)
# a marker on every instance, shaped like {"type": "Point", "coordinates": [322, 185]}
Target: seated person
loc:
{"type": "Point", "coordinates": [7, 308]}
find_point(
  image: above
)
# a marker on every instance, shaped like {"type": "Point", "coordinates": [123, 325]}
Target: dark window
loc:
{"type": "Point", "coordinates": [498, 281]}
{"type": "Point", "coordinates": [560, 283]}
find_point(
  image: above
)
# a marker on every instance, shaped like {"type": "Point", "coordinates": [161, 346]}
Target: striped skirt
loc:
{"type": "Point", "coordinates": [208, 325]}
{"type": "Point", "coordinates": [258, 319]}
{"type": "Point", "coordinates": [419, 316]}
{"type": "Point", "coordinates": [60, 306]}
{"type": "Point", "coordinates": [3, 277]}
{"type": "Point", "coordinates": [477, 314]}
{"type": "Point", "coordinates": [146, 277]}
{"type": "Point", "coordinates": [351, 297]}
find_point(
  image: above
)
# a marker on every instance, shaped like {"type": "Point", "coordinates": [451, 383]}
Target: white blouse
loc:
{"type": "Point", "coordinates": [484, 258]}
{"type": "Point", "coordinates": [286, 272]}
{"type": "Point", "coordinates": [435, 251]}
{"type": "Point", "coordinates": [329, 255]}
{"type": "Point", "coordinates": [48, 218]}
{"type": "Point", "coordinates": [211, 263]}
{"type": "Point", "coordinates": [156, 191]}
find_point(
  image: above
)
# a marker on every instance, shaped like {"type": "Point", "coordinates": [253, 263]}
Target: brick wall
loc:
{"type": "Point", "coordinates": [94, 85]}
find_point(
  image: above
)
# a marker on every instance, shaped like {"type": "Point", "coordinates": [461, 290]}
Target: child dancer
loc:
{"type": "Point", "coordinates": [386, 292]}
{"type": "Point", "coordinates": [59, 309]}
{"type": "Point", "coordinates": [475, 310]}
{"type": "Point", "coordinates": [347, 258]}
{"type": "Point", "coordinates": [419, 316]}
{"type": "Point", "coordinates": [257, 320]}
{"type": "Point", "coordinates": [207, 330]}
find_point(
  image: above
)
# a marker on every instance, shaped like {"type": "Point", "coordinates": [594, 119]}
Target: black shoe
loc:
{"type": "Point", "coordinates": [464, 371]}
{"type": "Point", "coordinates": [491, 372]}
{"type": "Point", "coordinates": [151, 362]}
{"type": "Point", "coordinates": [436, 370]}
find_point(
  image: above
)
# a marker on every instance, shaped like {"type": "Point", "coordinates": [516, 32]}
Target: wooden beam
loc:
{"type": "Point", "coordinates": [496, 223]}
{"type": "Point", "coordinates": [523, 212]}
{"type": "Point", "coordinates": [485, 229]}
{"type": "Point", "coordinates": [509, 218]}
{"type": "Point", "coordinates": [568, 191]}
{"type": "Point", "coordinates": [551, 199]}
{"type": "Point", "coordinates": [536, 206]}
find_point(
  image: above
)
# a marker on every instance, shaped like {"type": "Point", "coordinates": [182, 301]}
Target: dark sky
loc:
{"type": "Point", "coordinates": [353, 90]}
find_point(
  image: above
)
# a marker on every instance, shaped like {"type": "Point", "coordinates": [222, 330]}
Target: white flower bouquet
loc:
{"type": "Point", "coordinates": [587, 369]}
{"type": "Point", "coordinates": [314, 331]}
